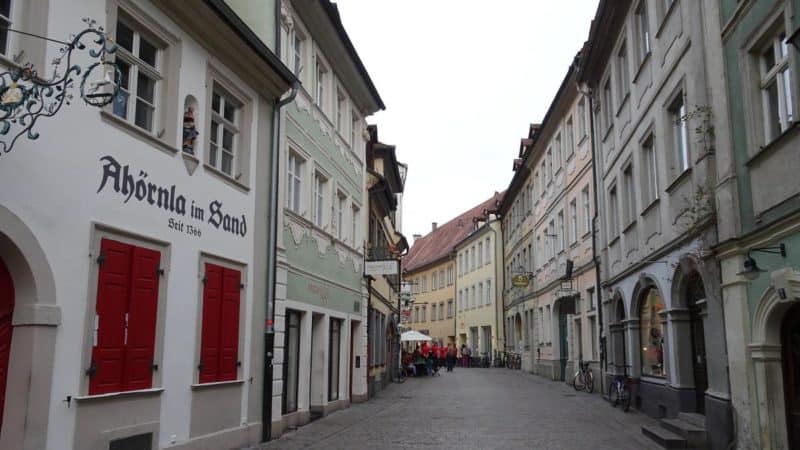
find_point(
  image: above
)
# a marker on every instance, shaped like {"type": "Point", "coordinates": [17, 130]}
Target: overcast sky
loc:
{"type": "Point", "coordinates": [462, 80]}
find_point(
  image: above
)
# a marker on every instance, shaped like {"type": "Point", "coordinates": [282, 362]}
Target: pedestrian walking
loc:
{"type": "Point", "coordinates": [425, 351]}
{"type": "Point", "coordinates": [465, 353]}
{"type": "Point", "coordinates": [451, 356]}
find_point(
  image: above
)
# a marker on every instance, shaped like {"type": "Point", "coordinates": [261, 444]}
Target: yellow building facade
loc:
{"type": "Point", "coordinates": [433, 294]}
{"type": "Point", "coordinates": [479, 277]}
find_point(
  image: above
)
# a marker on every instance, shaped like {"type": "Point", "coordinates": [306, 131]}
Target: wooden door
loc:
{"type": "Point", "coordinates": [6, 311]}
{"type": "Point", "coordinates": [790, 349]}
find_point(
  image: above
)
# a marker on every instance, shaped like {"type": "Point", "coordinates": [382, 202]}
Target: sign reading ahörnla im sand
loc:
{"type": "Point", "coordinates": [124, 182]}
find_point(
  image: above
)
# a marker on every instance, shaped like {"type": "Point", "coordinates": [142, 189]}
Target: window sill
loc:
{"type": "Point", "coordinates": [115, 395]}
{"type": "Point", "coordinates": [226, 178]}
{"type": "Point", "coordinates": [650, 207]}
{"type": "Point", "coordinates": [622, 103]}
{"type": "Point", "coordinates": [679, 180]}
{"type": "Point", "coordinates": [137, 132]}
{"type": "Point", "coordinates": [215, 384]}
{"type": "Point", "coordinates": [629, 226]}
{"type": "Point", "coordinates": [653, 379]}
{"type": "Point", "coordinates": [666, 17]}
{"type": "Point", "coordinates": [607, 132]}
{"type": "Point", "coordinates": [643, 63]}
{"type": "Point", "coordinates": [764, 150]}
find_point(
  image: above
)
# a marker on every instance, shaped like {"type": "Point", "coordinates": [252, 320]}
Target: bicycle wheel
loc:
{"type": "Point", "coordinates": [625, 399]}
{"type": "Point", "coordinates": [613, 394]}
{"type": "Point", "coordinates": [588, 382]}
{"type": "Point", "coordinates": [578, 382]}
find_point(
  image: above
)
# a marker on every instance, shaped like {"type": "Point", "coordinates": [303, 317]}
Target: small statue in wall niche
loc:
{"type": "Point", "coordinates": [189, 131]}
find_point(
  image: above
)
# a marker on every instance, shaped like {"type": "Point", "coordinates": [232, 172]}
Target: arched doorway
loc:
{"type": "Point", "coordinates": [651, 329]}
{"type": "Point", "coordinates": [695, 296]}
{"type": "Point", "coordinates": [790, 354]}
{"type": "Point", "coordinates": [6, 312]}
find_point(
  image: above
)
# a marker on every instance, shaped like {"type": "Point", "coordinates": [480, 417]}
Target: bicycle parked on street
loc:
{"type": "Point", "coordinates": [620, 390]}
{"type": "Point", "coordinates": [399, 375]}
{"type": "Point", "coordinates": [499, 359]}
{"type": "Point", "coordinates": [513, 360]}
{"type": "Point", "coordinates": [583, 380]}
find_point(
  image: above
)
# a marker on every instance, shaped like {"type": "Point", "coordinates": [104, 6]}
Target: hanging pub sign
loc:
{"type": "Point", "coordinates": [522, 280]}
{"type": "Point", "coordinates": [131, 184]}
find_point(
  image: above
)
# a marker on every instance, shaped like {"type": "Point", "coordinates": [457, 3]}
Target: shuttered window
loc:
{"type": "Point", "coordinates": [125, 318]}
{"type": "Point", "coordinates": [219, 346]}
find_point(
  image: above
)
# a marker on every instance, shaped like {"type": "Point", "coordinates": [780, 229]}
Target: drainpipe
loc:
{"type": "Point", "coordinates": [595, 230]}
{"type": "Point", "coordinates": [272, 256]}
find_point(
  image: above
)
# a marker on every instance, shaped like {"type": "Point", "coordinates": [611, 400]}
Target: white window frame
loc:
{"type": "Point", "coordinates": [294, 182]}
{"type": "Point", "coordinates": [587, 210]}
{"type": "Point", "coordinates": [320, 185]}
{"type": "Point", "coordinates": [573, 216]}
{"type": "Point", "coordinates": [223, 124]}
{"type": "Point", "coordinates": [341, 204]}
{"type": "Point", "coordinates": [650, 162]}
{"type": "Point", "coordinates": [680, 133]}
{"type": "Point", "coordinates": [642, 25]}
{"type": "Point", "coordinates": [137, 66]}
{"type": "Point", "coordinates": [321, 79]}
{"type": "Point", "coordinates": [780, 76]}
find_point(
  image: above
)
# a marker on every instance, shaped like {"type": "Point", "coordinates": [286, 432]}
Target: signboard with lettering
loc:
{"type": "Point", "coordinates": [382, 267]}
{"type": "Point", "coordinates": [520, 281]}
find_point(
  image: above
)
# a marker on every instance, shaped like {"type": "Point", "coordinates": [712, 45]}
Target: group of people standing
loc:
{"type": "Point", "coordinates": [434, 356]}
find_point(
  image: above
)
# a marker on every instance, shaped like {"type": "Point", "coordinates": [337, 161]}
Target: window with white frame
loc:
{"type": "Point", "coordinates": [569, 138]}
{"type": "Point", "coordinates": [224, 133]}
{"type": "Point", "coordinates": [623, 72]}
{"type": "Point", "coordinates": [606, 105]}
{"type": "Point", "coordinates": [297, 52]}
{"type": "Point", "coordinates": [354, 128]}
{"type": "Point", "coordinates": [642, 31]}
{"type": "Point", "coordinates": [5, 24]}
{"type": "Point", "coordinates": [560, 232]}
{"type": "Point", "coordinates": [472, 298]}
{"type": "Point", "coordinates": [441, 310]}
{"type": "Point", "coordinates": [138, 59]}
{"type": "Point", "coordinates": [581, 118]}
{"type": "Point", "coordinates": [472, 258]}
{"type": "Point", "coordinates": [433, 312]}
{"type": "Point", "coordinates": [488, 248]}
{"type": "Point", "coordinates": [354, 231]}
{"type": "Point", "coordinates": [321, 79]}
{"type": "Point", "coordinates": [650, 170]}
{"type": "Point", "coordinates": [488, 292]}
{"type": "Point", "coordinates": [340, 110]}
{"type": "Point", "coordinates": [320, 184]}
{"type": "Point", "coordinates": [558, 152]}
{"type": "Point", "coordinates": [294, 184]}
{"type": "Point", "coordinates": [613, 212]}
{"type": "Point", "coordinates": [441, 279]}
{"type": "Point", "coordinates": [776, 87]}
{"type": "Point", "coordinates": [460, 264]}
{"type": "Point", "coordinates": [630, 193]}
{"type": "Point", "coordinates": [341, 204]}
{"type": "Point", "coordinates": [551, 230]}
{"type": "Point", "coordinates": [573, 220]}
{"type": "Point", "coordinates": [680, 133]}
{"type": "Point", "coordinates": [480, 254]}
{"type": "Point", "coordinates": [480, 295]}
{"type": "Point", "coordinates": [450, 308]}
{"type": "Point", "coordinates": [587, 215]}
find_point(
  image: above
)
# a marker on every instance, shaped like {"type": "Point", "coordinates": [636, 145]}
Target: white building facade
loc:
{"type": "Point", "coordinates": [137, 310]}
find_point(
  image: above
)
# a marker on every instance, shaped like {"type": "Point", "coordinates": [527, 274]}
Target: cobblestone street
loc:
{"type": "Point", "coordinates": [475, 409]}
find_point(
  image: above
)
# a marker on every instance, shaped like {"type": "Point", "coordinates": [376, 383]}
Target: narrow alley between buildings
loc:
{"type": "Point", "coordinates": [475, 409]}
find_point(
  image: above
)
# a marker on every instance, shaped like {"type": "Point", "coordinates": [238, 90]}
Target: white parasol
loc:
{"type": "Point", "coordinates": [414, 336]}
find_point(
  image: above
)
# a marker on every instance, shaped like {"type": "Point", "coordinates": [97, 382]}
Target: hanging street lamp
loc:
{"type": "Point", "coordinates": [25, 96]}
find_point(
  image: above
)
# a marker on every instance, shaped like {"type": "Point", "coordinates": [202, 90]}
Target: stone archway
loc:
{"type": "Point", "coordinates": [767, 354]}
{"type": "Point", "coordinates": [33, 323]}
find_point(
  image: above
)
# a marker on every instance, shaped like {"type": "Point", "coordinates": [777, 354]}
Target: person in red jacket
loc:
{"type": "Point", "coordinates": [426, 353]}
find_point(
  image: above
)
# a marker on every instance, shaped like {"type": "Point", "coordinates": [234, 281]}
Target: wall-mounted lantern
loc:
{"type": "Point", "coordinates": [751, 271]}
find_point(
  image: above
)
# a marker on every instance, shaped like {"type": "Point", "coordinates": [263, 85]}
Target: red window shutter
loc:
{"type": "Point", "coordinates": [142, 312]}
{"type": "Point", "coordinates": [113, 290]}
{"type": "Point", "coordinates": [209, 340]}
{"type": "Point", "coordinates": [229, 325]}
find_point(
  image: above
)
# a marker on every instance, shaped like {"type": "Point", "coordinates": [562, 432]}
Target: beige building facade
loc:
{"type": "Point", "coordinates": [554, 321]}
{"type": "Point", "coordinates": [433, 294]}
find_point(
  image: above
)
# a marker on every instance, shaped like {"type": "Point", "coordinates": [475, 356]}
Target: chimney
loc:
{"type": "Point", "coordinates": [416, 236]}
{"type": "Point", "coordinates": [433, 226]}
